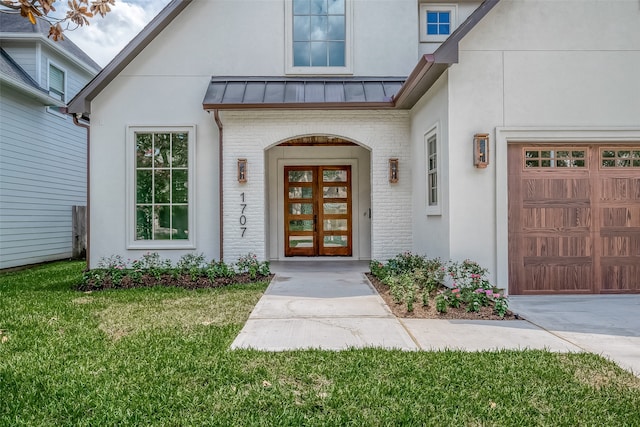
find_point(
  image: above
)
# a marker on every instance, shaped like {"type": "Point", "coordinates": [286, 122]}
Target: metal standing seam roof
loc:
{"type": "Point", "coordinates": [311, 92]}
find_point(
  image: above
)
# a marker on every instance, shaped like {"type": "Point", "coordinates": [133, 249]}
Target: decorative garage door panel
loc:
{"type": "Point", "coordinates": [574, 219]}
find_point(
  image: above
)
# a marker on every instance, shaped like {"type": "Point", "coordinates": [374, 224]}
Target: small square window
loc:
{"type": "Point", "coordinates": [437, 22]}
{"type": "Point", "coordinates": [56, 82]}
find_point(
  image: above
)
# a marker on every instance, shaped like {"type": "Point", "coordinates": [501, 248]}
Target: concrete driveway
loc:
{"type": "Point", "coordinates": [608, 325]}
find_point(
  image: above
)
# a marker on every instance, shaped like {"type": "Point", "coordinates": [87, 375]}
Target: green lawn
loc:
{"type": "Point", "coordinates": [161, 357]}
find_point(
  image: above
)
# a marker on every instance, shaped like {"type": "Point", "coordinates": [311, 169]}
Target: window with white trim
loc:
{"type": "Point", "coordinates": [433, 179]}
{"type": "Point", "coordinates": [57, 82]}
{"type": "Point", "coordinates": [437, 22]}
{"type": "Point", "coordinates": [162, 200]}
{"type": "Point", "coordinates": [318, 40]}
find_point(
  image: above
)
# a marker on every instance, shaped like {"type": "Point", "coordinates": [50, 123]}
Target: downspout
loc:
{"type": "Point", "coordinates": [88, 128]}
{"type": "Point", "coordinates": [216, 117]}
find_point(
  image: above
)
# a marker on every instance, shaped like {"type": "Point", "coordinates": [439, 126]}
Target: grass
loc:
{"type": "Point", "coordinates": [160, 357]}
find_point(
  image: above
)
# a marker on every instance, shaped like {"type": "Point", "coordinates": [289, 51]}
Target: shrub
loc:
{"type": "Point", "coordinates": [249, 264]}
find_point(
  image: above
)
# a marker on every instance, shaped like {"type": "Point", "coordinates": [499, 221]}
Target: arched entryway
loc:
{"type": "Point", "coordinates": [318, 194]}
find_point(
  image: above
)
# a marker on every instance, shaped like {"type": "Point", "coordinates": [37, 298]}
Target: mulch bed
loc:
{"type": "Point", "coordinates": [184, 281]}
{"type": "Point", "coordinates": [430, 312]}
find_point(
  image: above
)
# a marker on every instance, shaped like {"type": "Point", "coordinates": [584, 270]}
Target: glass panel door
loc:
{"type": "Point", "coordinates": [317, 210]}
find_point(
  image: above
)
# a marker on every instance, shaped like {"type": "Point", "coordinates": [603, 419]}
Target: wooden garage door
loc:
{"type": "Point", "coordinates": [574, 219]}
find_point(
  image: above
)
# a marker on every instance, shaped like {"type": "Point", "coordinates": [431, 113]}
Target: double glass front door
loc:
{"type": "Point", "coordinates": [317, 211]}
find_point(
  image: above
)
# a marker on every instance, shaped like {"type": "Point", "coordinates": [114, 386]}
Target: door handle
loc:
{"type": "Point", "coordinates": [315, 223]}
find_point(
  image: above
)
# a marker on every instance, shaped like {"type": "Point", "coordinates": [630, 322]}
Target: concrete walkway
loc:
{"type": "Point", "coordinates": [332, 306]}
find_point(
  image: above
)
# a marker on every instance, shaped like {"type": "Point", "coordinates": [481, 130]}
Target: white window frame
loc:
{"type": "Point", "coordinates": [437, 7]}
{"type": "Point", "coordinates": [132, 243]}
{"type": "Point", "coordinates": [56, 110]}
{"type": "Point", "coordinates": [64, 80]}
{"type": "Point", "coordinates": [435, 209]}
{"type": "Point", "coordinates": [289, 67]}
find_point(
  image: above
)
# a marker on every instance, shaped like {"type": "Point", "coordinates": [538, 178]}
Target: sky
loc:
{"type": "Point", "coordinates": [105, 37]}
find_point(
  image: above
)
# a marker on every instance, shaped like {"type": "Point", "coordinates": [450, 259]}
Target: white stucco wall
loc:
{"type": "Point", "coordinates": [545, 66]}
{"type": "Point", "coordinates": [431, 231]}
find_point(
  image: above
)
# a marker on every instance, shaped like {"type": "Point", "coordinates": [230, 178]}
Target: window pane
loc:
{"type": "Point", "coordinates": [336, 28]}
{"type": "Point", "coordinates": [300, 176]}
{"type": "Point", "coordinates": [334, 192]}
{"type": "Point", "coordinates": [335, 208]}
{"type": "Point", "coordinates": [444, 17]}
{"type": "Point", "coordinates": [180, 186]}
{"type": "Point", "coordinates": [180, 150]}
{"type": "Point", "coordinates": [301, 225]}
{"type": "Point", "coordinates": [300, 192]}
{"type": "Point", "coordinates": [432, 29]}
{"type": "Point", "coordinates": [318, 7]}
{"type": "Point", "coordinates": [334, 176]}
{"type": "Point", "coordinates": [546, 154]}
{"type": "Point", "coordinates": [335, 225]}
{"type": "Point", "coordinates": [301, 54]}
{"type": "Point", "coordinates": [144, 223]}
{"type": "Point", "coordinates": [532, 164]}
{"type": "Point", "coordinates": [162, 189]}
{"type": "Point", "coordinates": [162, 223]}
{"type": "Point", "coordinates": [144, 185]}
{"type": "Point", "coordinates": [300, 7]}
{"type": "Point", "coordinates": [319, 54]}
{"type": "Point", "coordinates": [432, 17]}
{"type": "Point", "coordinates": [335, 241]}
{"type": "Point", "coordinates": [300, 208]}
{"type": "Point", "coordinates": [144, 150]}
{"type": "Point", "coordinates": [336, 54]}
{"type": "Point", "coordinates": [608, 153]}
{"type": "Point", "coordinates": [336, 7]}
{"type": "Point", "coordinates": [300, 241]}
{"type": "Point", "coordinates": [319, 28]}
{"type": "Point", "coordinates": [445, 29]}
{"type": "Point", "coordinates": [301, 28]}
{"type": "Point", "coordinates": [180, 223]}
{"type": "Point", "coordinates": [162, 150]}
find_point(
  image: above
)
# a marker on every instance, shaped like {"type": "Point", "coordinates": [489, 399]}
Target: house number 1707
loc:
{"type": "Point", "coordinates": [243, 218]}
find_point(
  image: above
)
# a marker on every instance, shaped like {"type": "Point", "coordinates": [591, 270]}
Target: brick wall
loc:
{"type": "Point", "coordinates": [247, 134]}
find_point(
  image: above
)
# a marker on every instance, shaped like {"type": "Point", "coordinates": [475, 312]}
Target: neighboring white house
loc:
{"type": "Point", "coordinates": [42, 153]}
{"type": "Point", "coordinates": [346, 128]}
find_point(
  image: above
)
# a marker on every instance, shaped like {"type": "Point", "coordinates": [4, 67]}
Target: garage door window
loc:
{"type": "Point", "coordinates": [562, 158]}
{"type": "Point", "coordinates": [619, 158]}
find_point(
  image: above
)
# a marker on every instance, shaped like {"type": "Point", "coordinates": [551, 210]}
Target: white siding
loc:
{"type": "Point", "coordinates": [42, 174]}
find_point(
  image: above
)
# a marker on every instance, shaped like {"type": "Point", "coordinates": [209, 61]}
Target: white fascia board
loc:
{"type": "Point", "coordinates": [32, 92]}
{"type": "Point", "coordinates": [39, 37]}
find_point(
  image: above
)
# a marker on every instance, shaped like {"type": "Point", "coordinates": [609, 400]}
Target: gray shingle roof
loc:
{"type": "Point", "coordinates": [14, 23]}
{"type": "Point", "coordinates": [285, 92]}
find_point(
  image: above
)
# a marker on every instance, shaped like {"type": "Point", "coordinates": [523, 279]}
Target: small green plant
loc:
{"type": "Point", "coordinates": [378, 269]}
{"type": "Point", "coordinates": [250, 265]}
{"type": "Point", "coordinates": [441, 303]}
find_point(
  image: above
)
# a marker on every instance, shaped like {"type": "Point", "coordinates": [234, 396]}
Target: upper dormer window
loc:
{"type": "Point", "coordinates": [318, 36]}
{"type": "Point", "coordinates": [319, 33]}
{"type": "Point", "coordinates": [437, 22]}
{"type": "Point", "coordinates": [56, 82]}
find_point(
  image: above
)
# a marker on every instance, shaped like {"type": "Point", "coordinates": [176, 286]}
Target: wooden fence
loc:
{"type": "Point", "coordinates": [79, 237]}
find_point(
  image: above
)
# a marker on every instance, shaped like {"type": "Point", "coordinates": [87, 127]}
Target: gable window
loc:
{"type": "Point", "coordinates": [318, 36]}
{"type": "Point", "coordinates": [161, 187]}
{"type": "Point", "coordinates": [57, 82]}
{"type": "Point", "coordinates": [437, 22]}
{"type": "Point", "coordinates": [433, 184]}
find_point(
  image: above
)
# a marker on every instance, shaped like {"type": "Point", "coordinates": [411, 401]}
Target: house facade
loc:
{"type": "Point", "coordinates": [42, 153]}
{"type": "Point", "coordinates": [505, 132]}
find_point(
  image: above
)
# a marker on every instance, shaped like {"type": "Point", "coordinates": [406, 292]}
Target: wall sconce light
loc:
{"type": "Point", "coordinates": [481, 150]}
{"type": "Point", "coordinates": [393, 171]}
{"type": "Point", "coordinates": [242, 170]}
